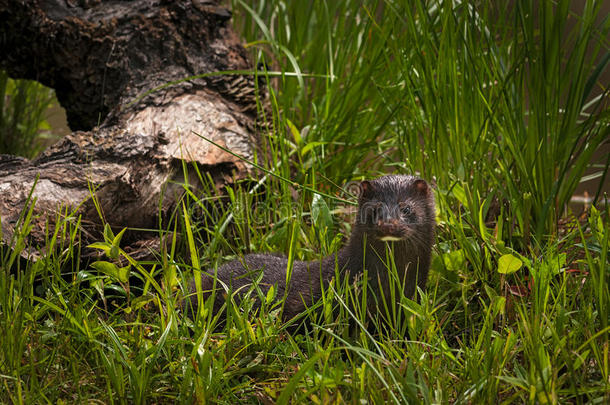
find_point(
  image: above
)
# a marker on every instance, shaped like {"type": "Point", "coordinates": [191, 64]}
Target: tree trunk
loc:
{"type": "Point", "coordinates": [100, 57]}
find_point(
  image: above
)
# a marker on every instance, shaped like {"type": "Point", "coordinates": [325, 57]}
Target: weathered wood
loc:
{"type": "Point", "coordinates": [99, 57]}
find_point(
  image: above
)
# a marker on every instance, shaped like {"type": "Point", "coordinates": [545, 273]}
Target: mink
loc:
{"type": "Point", "coordinates": [394, 211]}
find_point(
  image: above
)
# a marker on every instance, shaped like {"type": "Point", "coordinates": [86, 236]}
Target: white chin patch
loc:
{"type": "Point", "coordinates": [390, 239]}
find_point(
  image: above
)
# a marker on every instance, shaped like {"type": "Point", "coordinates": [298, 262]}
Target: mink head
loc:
{"type": "Point", "coordinates": [395, 208]}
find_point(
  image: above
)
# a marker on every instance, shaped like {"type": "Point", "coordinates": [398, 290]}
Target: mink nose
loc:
{"type": "Point", "coordinates": [390, 230]}
{"type": "Point", "coordinates": [385, 220]}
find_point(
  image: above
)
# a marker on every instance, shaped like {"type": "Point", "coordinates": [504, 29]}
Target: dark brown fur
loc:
{"type": "Point", "coordinates": [398, 206]}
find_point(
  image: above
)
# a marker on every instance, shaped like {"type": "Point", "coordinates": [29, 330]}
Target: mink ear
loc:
{"type": "Point", "coordinates": [421, 186]}
{"type": "Point", "coordinates": [366, 189]}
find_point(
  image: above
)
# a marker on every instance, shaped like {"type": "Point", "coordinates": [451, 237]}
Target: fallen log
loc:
{"type": "Point", "coordinates": [118, 69]}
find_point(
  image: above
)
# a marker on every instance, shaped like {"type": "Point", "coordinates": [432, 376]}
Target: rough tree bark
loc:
{"type": "Point", "coordinates": [99, 57]}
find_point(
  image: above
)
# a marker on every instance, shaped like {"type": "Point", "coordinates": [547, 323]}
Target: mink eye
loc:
{"type": "Point", "coordinates": [406, 210]}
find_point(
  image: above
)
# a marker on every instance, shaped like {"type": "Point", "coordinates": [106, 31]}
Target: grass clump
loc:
{"type": "Point", "coordinates": [501, 105]}
{"type": "Point", "coordinates": [23, 126]}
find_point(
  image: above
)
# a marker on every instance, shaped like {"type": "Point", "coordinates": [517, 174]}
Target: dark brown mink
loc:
{"type": "Point", "coordinates": [394, 211]}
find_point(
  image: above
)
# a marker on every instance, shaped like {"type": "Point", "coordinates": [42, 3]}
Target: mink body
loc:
{"type": "Point", "coordinates": [396, 210]}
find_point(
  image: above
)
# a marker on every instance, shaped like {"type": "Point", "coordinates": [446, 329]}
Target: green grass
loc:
{"type": "Point", "coordinates": [501, 107]}
{"type": "Point", "coordinates": [22, 116]}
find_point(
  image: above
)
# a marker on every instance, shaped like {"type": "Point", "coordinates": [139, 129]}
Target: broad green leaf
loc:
{"type": "Point", "coordinates": [107, 268]}
{"type": "Point", "coordinates": [270, 294]}
{"type": "Point", "coordinates": [171, 279]}
{"type": "Point", "coordinates": [320, 213]}
{"type": "Point", "coordinates": [117, 239]}
{"type": "Point", "coordinates": [102, 246]}
{"type": "Point", "coordinates": [123, 273]}
{"type": "Point", "coordinates": [508, 264]}
{"type": "Point", "coordinates": [294, 131]}
{"type": "Point", "coordinates": [454, 260]}
{"type": "Point", "coordinates": [108, 235]}
{"type": "Point", "coordinates": [459, 193]}
{"type": "Point", "coordinates": [113, 253]}
{"type": "Point", "coordinates": [118, 273]}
